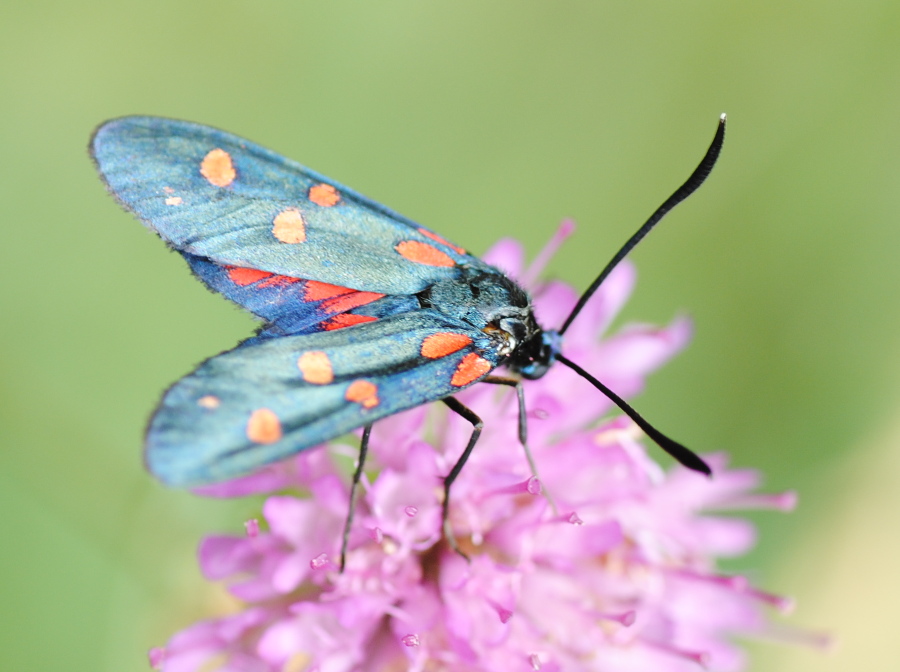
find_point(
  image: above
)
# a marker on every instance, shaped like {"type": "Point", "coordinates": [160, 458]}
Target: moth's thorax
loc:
{"type": "Point", "coordinates": [479, 296]}
{"type": "Point", "coordinates": [495, 304]}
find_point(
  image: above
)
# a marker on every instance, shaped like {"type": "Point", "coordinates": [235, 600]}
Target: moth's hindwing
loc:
{"type": "Point", "coordinates": [290, 305]}
{"type": "Point", "coordinates": [271, 398]}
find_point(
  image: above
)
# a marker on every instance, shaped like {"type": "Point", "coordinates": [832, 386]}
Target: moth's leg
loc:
{"type": "Point", "coordinates": [354, 491]}
{"type": "Point", "coordinates": [523, 426]}
{"type": "Point", "coordinates": [477, 425]}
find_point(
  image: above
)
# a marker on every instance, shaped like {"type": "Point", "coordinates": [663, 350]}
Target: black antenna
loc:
{"type": "Point", "coordinates": [701, 172]}
{"type": "Point", "coordinates": [684, 455]}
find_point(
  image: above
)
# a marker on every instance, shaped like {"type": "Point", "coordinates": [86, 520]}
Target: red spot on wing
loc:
{"type": "Point", "coordinates": [337, 299]}
{"type": "Point", "coordinates": [341, 304]}
{"type": "Point", "coordinates": [218, 168]}
{"type": "Point", "coordinates": [346, 320]}
{"type": "Point", "coordinates": [470, 368]}
{"type": "Point", "coordinates": [289, 227]}
{"type": "Point", "coordinates": [423, 253]}
{"type": "Point", "coordinates": [442, 241]}
{"type": "Point", "coordinates": [246, 276]}
{"type": "Point", "coordinates": [363, 393]}
{"type": "Point", "coordinates": [324, 195]}
{"type": "Point", "coordinates": [317, 291]}
{"type": "Point", "coordinates": [263, 426]}
{"type": "Point", "coordinates": [316, 367]}
{"type": "Point", "coordinates": [443, 344]}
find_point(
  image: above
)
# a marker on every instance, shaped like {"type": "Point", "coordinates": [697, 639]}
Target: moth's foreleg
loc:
{"type": "Point", "coordinates": [523, 425]}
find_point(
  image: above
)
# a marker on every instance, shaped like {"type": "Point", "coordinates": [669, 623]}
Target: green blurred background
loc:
{"type": "Point", "coordinates": [482, 120]}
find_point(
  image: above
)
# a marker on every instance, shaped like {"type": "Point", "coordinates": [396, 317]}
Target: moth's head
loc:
{"type": "Point", "coordinates": [511, 324]}
{"type": "Point", "coordinates": [504, 312]}
{"type": "Point", "coordinates": [535, 356]}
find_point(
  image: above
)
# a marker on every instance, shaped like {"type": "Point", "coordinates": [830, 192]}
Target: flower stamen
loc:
{"type": "Point", "coordinates": [699, 657]}
{"type": "Point", "coordinates": [530, 486]}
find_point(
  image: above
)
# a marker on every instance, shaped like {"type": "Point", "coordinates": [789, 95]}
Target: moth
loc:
{"type": "Point", "coordinates": [365, 313]}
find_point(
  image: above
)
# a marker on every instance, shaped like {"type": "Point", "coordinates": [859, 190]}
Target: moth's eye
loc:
{"type": "Point", "coordinates": [515, 328]}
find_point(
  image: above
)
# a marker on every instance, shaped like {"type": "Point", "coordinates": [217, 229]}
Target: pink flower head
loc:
{"type": "Point", "coordinates": [619, 574]}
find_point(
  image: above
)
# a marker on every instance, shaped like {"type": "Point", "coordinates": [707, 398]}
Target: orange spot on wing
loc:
{"type": "Point", "coordinates": [289, 227]}
{"type": "Point", "coordinates": [316, 291]}
{"type": "Point", "coordinates": [423, 253]}
{"type": "Point", "coordinates": [264, 426]}
{"type": "Point", "coordinates": [470, 368]}
{"type": "Point", "coordinates": [346, 320]}
{"type": "Point", "coordinates": [316, 367]}
{"type": "Point", "coordinates": [442, 241]}
{"type": "Point", "coordinates": [324, 195]}
{"type": "Point", "coordinates": [341, 304]}
{"type": "Point", "coordinates": [246, 276]}
{"type": "Point", "coordinates": [443, 344]}
{"type": "Point", "coordinates": [174, 200]}
{"type": "Point", "coordinates": [363, 393]}
{"type": "Point", "coordinates": [209, 401]}
{"type": "Point", "coordinates": [218, 168]}
{"type": "Point", "coordinates": [169, 190]}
